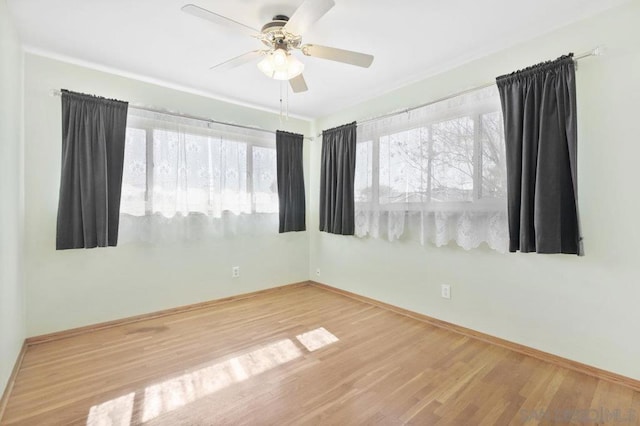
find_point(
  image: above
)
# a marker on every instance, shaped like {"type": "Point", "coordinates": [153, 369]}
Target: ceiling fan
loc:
{"type": "Point", "coordinates": [282, 35]}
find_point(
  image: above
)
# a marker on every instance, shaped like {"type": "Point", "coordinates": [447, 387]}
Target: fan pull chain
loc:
{"type": "Point", "coordinates": [281, 103]}
{"type": "Point", "coordinates": [284, 108]}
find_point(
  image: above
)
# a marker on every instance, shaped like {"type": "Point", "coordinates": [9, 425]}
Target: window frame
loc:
{"type": "Point", "coordinates": [150, 125]}
{"type": "Point", "coordinates": [477, 203]}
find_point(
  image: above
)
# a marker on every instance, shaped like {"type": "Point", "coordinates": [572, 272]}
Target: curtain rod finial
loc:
{"type": "Point", "coordinates": [599, 51]}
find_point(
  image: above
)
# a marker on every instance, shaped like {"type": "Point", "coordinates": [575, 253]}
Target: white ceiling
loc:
{"type": "Point", "coordinates": [410, 39]}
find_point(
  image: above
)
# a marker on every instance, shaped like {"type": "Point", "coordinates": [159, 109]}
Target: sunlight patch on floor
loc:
{"type": "Point", "coordinates": [316, 339]}
{"type": "Point", "coordinates": [179, 391]}
{"type": "Point", "coordinates": [115, 412]}
{"type": "Point", "coordinates": [175, 393]}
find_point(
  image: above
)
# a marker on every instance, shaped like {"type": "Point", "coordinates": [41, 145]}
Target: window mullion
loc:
{"type": "Point", "coordinates": [210, 177]}
{"type": "Point", "coordinates": [249, 194]}
{"type": "Point", "coordinates": [375, 170]}
{"type": "Point", "coordinates": [150, 167]}
{"type": "Point", "coordinates": [429, 161]}
{"type": "Point", "coordinates": [477, 157]}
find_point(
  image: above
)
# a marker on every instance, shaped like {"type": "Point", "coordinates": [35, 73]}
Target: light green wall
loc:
{"type": "Point", "coordinates": [585, 309]}
{"type": "Point", "coordinates": [12, 320]}
{"type": "Point", "coordinates": [581, 308]}
{"type": "Point", "coordinates": [73, 288]}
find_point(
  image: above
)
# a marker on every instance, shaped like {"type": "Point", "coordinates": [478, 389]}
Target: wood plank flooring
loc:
{"type": "Point", "coordinates": [300, 355]}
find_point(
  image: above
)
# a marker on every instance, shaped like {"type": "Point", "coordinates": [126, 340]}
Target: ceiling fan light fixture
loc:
{"type": "Point", "coordinates": [281, 65]}
{"type": "Point", "coordinates": [279, 57]}
{"type": "Point", "coordinates": [281, 36]}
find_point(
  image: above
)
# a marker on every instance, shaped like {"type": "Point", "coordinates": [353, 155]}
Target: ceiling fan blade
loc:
{"type": "Point", "coordinates": [199, 12]}
{"type": "Point", "coordinates": [298, 84]}
{"type": "Point", "coordinates": [339, 55]}
{"type": "Point", "coordinates": [308, 13]}
{"type": "Point", "coordinates": [238, 60]}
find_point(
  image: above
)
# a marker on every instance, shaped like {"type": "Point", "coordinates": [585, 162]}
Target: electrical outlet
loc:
{"type": "Point", "coordinates": [445, 291]}
{"type": "Point", "coordinates": [235, 272]}
{"type": "Point", "coordinates": [318, 272]}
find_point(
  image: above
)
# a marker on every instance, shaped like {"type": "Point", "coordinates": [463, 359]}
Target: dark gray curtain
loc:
{"type": "Point", "coordinates": [539, 109]}
{"type": "Point", "coordinates": [337, 173]}
{"type": "Point", "coordinates": [93, 136]}
{"type": "Point", "coordinates": [291, 196]}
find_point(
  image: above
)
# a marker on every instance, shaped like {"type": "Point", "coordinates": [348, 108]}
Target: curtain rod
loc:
{"type": "Point", "coordinates": [190, 117]}
{"type": "Point", "coordinates": [598, 51]}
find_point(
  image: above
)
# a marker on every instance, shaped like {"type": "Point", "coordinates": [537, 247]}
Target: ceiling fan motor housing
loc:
{"type": "Point", "coordinates": [276, 24]}
{"type": "Point", "coordinates": [275, 37]}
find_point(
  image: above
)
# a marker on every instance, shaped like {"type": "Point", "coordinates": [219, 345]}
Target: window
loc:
{"type": "Point", "coordinates": [181, 172]}
{"type": "Point", "coordinates": [440, 167]}
{"type": "Point", "coordinates": [182, 169]}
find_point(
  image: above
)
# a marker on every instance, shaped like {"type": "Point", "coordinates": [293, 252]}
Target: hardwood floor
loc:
{"type": "Point", "coordinates": [300, 355]}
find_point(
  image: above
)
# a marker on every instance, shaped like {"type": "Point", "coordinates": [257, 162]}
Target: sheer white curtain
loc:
{"type": "Point", "coordinates": [436, 173]}
{"type": "Point", "coordinates": [188, 179]}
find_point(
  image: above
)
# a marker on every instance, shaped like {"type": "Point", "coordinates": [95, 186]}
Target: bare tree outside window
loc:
{"type": "Point", "coordinates": [452, 158]}
{"type": "Point", "coordinates": [494, 178]}
{"type": "Point", "coordinates": [446, 162]}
